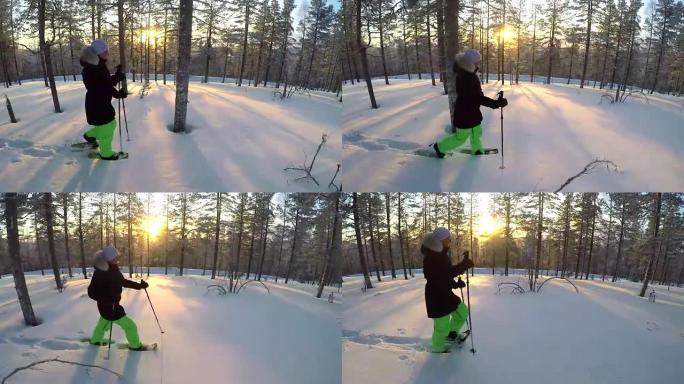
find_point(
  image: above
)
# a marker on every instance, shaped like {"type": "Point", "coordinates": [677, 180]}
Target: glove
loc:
{"type": "Point", "coordinates": [502, 102]}
{"type": "Point", "coordinates": [120, 94]}
{"type": "Point", "coordinates": [467, 263]}
{"type": "Point", "coordinates": [118, 74]}
{"type": "Point", "coordinates": [143, 284]}
{"type": "Point", "coordinates": [460, 283]}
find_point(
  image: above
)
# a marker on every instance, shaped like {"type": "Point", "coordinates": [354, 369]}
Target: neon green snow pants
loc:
{"type": "Point", "coordinates": [128, 326]}
{"type": "Point", "coordinates": [445, 324]}
{"type": "Point", "coordinates": [458, 138]}
{"type": "Point", "coordinates": [104, 135]}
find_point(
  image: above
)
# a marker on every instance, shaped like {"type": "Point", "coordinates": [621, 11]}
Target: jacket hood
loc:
{"type": "Point", "coordinates": [88, 56]}
{"type": "Point", "coordinates": [100, 262]}
{"type": "Point", "coordinates": [465, 64]}
{"type": "Point", "coordinates": [431, 242]}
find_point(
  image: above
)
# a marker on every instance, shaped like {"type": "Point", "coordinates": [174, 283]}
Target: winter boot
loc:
{"type": "Point", "coordinates": [437, 151]}
{"type": "Point", "coordinates": [114, 156]}
{"type": "Point", "coordinates": [90, 140]}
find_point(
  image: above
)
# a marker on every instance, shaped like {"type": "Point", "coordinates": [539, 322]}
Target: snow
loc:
{"type": "Point", "coordinates": [605, 334]}
{"type": "Point", "coordinates": [288, 336]}
{"type": "Point", "coordinates": [551, 132]}
{"type": "Point", "coordinates": [241, 140]}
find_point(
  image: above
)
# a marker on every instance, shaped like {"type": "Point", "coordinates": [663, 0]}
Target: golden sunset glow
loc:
{"type": "Point", "coordinates": [507, 33]}
{"type": "Point", "coordinates": [488, 226]}
{"type": "Point", "coordinates": [153, 225]}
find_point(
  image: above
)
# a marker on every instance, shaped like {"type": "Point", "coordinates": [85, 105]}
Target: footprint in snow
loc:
{"type": "Point", "coordinates": [60, 345]}
{"type": "Point", "coordinates": [39, 152]}
{"type": "Point", "coordinates": [403, 357]}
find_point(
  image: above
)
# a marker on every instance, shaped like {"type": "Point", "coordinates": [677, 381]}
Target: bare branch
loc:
{"type": "Point", "coordinates": [610, 166]}
{"type": "Point", "coordinates": [58, 360]}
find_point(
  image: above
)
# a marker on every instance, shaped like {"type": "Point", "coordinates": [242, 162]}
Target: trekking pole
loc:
{"type": "Point", "coordinates": [470, 312]}
{"type": "Point", "coordinates": [128, 137]}
{"type": "Point", "coordinates": [502, 160]}
{"type": "Point", "coordinates": [153, 311]}
{"type": "Point", "coordinates": [109, 344]}
{"type": "Point", "coordinates": [120, 140]}
{"type": "Point", "coordinates": [125, 89]}
{"type": "Point", "coordinates": [467, 320]}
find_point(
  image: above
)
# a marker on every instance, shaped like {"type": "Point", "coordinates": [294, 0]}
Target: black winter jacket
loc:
{"type": "Point", "coordinates": [439, 273]}
{"type": "Point", "coordinates": [99, 89]}
{"type": "Point", "coordinates": [469, 95]}
{"type": "Point", "coordinates": [106, 286]}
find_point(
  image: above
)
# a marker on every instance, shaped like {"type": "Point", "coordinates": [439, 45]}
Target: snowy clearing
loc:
{"type": "Point", "coordinates": [605, 334]}
{"type": "Point", "coordinates": [288, 336]}
{"type": "Point", "coordinates": [241, 140]}
{"type": "Point", "coordinates": [551, 132]}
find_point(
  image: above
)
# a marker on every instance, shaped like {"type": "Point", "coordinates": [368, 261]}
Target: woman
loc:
{"type": "Point", "coordinates": [443, 306]}
{"type": "Point", "coordinates": [99, 92]}
{"type": "Point", "coordinates": [467, 116]}
{"type": "Point", "coordinates": [105, 287]}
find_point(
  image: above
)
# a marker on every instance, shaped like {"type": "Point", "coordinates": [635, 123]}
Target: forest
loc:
{"type": "Point", "coordinates": [606, 236]}
{"type": "Point", "coordinates": [599, 43]}
{"type": "Point", "coordinates": [248, 42]}
{"type": "Point", "coordinates": [228, 236]}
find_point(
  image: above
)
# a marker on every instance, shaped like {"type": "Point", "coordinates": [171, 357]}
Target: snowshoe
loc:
{"type": "Point", "coordinates": [84, 145]}
{"type": "Point", "coordinates": [102, 343]}
{"type": "Point", "coordinates": [485, 151]}
{"type": "Point", "coordinates": [116, 156]}
{"type": "Point", "coordinates": [144, 347]}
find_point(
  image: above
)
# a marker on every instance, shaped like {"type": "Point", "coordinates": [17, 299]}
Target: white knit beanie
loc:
{"type": "Point", "coordinates": [441, 233]}
{"type": "Point", "coordinates": [110, 253]}
{"type": "Point", "coordinates": [99, 46]}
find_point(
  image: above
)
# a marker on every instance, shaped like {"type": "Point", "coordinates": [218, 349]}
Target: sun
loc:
{"type": "Point", "coordinates": [487, 226]}
{"type": "Point", "coordinates": [507, 33]}
{"type": "Point", "coordinates": [153, 225]}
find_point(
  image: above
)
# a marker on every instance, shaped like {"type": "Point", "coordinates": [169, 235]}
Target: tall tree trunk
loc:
{"type": "Point", "coordinates": [389, 234]}
{"type": "Point", "coordinates": [381, 31]}
{"type": "Point", "coordinates": [45, 49]}
{"type": "Point", "coordinates": [48, 212]}
{"type": "Point", "coordinates": [217, 234]}
{"type": "Point", "coordinates": [361, 49]}
{"type": "Point", "coordinates": [401, 235]}
{"type": "Point", "coordinates": [12, 226]}
{"type": "Point", "coordinates": [451, 40]}
{"type": "Point", "coordinates": [359, 243]}
{"type": "Point", "coordinates": [654, 241]}
{"type": "Point", "coordinates": [294, 246]}
{"type": "Point", "coordinates": [663, 36]}
{"type": "Point", "coordinates": [66, 233]}
{"type": "Point", "coordinates": [622, 236]}
{"type": "Point", "coordinates": [551, 42]}
{"type": "Point", "coordinates": [610, 223]}
{"type": "Point", "coordinates": [244, 44]}
{"type": "Point", "coordinates": [372, 237]}
{"type": "Point", "coordinates": [587, 42]}
{"type": "Point", "coordinates": [183, 69]}
{"type": "Point", "coordinates": [184, 210]}
{"type": "Point", "coordinates": [80, 235]}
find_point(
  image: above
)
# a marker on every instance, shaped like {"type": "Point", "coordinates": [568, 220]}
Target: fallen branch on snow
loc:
{"type": "Point", "coordinates": [307, 168]}
{"type": "Point", "coordinates": [610, 166]}
{"type": "Point", "coordinates": [58, 360]}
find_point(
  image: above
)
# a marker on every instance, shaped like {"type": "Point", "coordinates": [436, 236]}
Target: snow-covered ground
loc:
{"type": "Point", "coordinates": [605, 334]}
{"type": "Point", "coordinates": [288, 336]}
{"type": "Point", "coordinates": [241, 140]}
{"type": "Point", "coordinates": [551, 132]}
